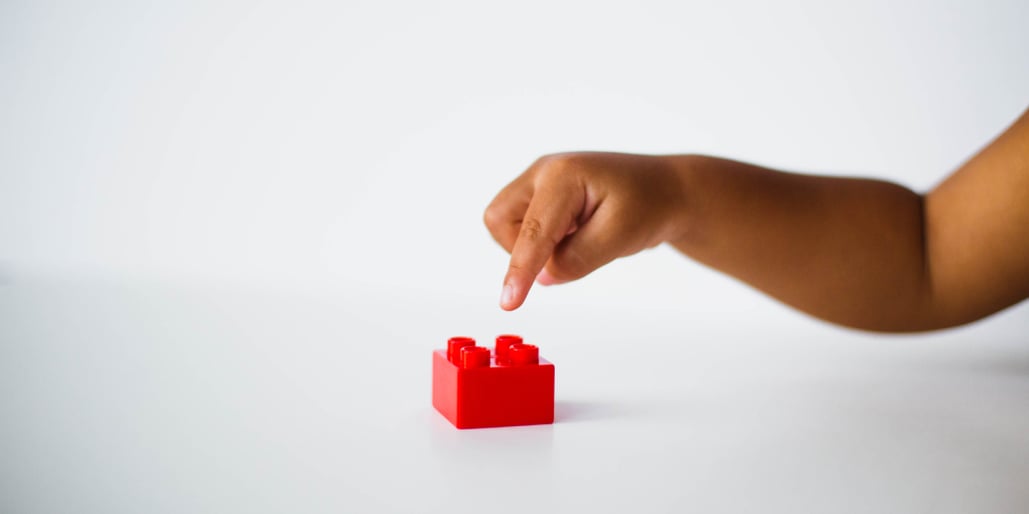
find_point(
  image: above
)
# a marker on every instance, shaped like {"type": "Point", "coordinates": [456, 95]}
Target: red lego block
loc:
{"type": "Point", "coordinates": [474, 388]}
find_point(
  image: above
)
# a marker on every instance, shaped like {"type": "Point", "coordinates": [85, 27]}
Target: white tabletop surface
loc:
{"type": "Point", "coordinates": [123, 397]}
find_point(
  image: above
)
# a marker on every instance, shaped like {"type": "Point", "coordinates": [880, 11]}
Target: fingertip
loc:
{"type": "Point", "coordinates": [512, 295]}
{"type": "Point", "coordinates": [507, 297]}
{"type": "Point", "coordinates": [509, 300]}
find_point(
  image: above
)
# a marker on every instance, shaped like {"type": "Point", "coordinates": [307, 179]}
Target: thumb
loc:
{"type": "Point", "coordinates": [546, 279]}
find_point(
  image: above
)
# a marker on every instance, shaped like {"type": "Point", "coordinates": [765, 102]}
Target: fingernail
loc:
{"type": "Point", "coordinates": [506, 296]}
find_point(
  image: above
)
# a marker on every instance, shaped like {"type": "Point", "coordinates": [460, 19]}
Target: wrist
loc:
{"type": "Point", "coordinates": [682, 217]}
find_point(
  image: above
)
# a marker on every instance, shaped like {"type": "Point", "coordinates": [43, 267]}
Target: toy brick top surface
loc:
{"type": "Point", "coordinates": [476, 388]}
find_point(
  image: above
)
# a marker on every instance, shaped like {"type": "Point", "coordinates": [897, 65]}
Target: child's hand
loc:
{"type": "Point", "coordinates": [570, 214]}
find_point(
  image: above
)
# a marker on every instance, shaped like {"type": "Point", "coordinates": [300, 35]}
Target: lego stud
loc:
{"type": "Point", "coordinates": [523, 354]}
{"type": "Point", "coordinates": [474, 357]}
{"type": "Point", "coordinates": [454, 345]}
{"type": "Point", "coordinates": [503, 342]}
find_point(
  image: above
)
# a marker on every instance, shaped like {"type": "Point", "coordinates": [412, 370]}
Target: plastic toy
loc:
{"type": "Point", "coordinates": [475, 388]}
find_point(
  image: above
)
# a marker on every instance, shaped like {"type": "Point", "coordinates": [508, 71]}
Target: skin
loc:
{"type": "Point", "coordinates": [861, 253]}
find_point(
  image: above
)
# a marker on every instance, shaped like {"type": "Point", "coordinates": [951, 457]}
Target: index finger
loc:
{"type": "Point", "coordinates": [552, 211]}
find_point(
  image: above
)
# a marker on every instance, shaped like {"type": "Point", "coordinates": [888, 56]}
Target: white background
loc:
{"type": "Point", "coordinates": [231, 233]}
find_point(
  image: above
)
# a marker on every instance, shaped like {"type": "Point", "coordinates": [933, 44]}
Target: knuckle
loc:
{"type": "Point", "coordinates": [523, 266]}
{"type": "Point", "coordinates": [547, 160]}
{"type": "Point", "coordinates": [531, 230]}
{"type": "Point", "coordinates": [492, 216]}
{"type": "Point", "coordinates": [517, 266]}
{"type": "Point", "coordinates": [552, 166]}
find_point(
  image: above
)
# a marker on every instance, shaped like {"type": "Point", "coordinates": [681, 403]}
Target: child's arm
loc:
{"type": "Point", "coordinates": [862, 253]}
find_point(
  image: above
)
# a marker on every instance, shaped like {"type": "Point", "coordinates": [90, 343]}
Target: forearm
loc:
{"type": "Point", "coordinates": [850, 251]}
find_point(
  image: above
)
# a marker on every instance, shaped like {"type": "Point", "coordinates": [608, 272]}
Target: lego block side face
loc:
{"type": "Point", "coordinates": [505, 396]}
{"type": "Point", "coordinates": [444, 385]}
